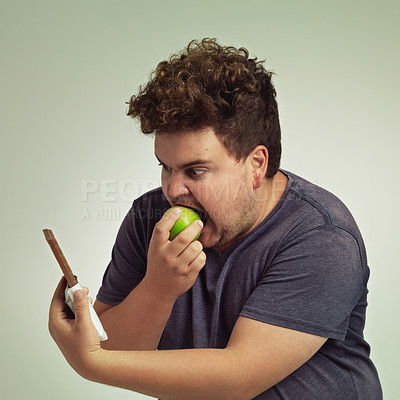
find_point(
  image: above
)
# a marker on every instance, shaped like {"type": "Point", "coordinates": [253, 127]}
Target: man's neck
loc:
{"type": "Point", "coordinates": [267, 197]}
{"type": "Point", "coordinates": [272, 190]}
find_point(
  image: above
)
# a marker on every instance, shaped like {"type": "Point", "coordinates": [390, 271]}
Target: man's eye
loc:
{"type": "Point", "coordinates": [196, 171]}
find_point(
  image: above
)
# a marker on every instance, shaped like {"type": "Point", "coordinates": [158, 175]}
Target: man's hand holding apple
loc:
{"type": "Point", "coordinates": [173, 266]}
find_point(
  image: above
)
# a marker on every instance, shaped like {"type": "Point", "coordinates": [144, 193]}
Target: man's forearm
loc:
{"type": "Point", "coordinates": [138, 322]}
{"type": "Point", "coordinates": [175, 374]}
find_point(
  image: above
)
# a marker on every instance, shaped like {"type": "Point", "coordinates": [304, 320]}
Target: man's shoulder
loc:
{"type": "Point", "coordinates": [319, 200]}
{"type": "Point", "coordinates": [151, 197]}
{"type": "Point", "coordinates": [150, 205]}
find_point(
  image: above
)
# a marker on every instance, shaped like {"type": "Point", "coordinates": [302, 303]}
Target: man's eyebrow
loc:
{"type": "Point", "coordinates": [198, 161]}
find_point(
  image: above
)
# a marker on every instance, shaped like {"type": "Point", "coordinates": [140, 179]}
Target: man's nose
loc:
{"type": "Point", "coordinates": [176, 185]}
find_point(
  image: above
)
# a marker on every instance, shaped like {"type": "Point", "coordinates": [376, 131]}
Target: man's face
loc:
{"type": "Point", "coordinates": [198, 172]}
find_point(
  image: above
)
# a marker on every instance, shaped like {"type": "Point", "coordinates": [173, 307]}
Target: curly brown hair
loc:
{"type": "Point", "coordinates": [209, 85]}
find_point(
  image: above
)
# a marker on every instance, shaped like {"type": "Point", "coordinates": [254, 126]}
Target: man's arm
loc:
{"type": "Point", "coordinates": [137, 323]}
{"type": "Point", "coordinates": [257, 356]}
{"type": "Point", "coordinates": [172, 268]}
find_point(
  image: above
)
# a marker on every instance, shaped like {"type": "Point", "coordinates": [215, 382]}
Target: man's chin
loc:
{"type": "Point", "coordinates": [210, 241]}
{"type": "Point", "coordinates": [210, 237]}
{"type": "Point", "coordinates": [206, 238]}
{"type": "Point", "coordinates": [205, 241]}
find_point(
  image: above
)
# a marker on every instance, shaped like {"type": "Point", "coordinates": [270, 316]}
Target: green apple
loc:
{"type": "Point", "coordinates": [187, 217]}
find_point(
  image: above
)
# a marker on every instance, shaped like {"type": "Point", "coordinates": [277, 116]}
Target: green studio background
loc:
{"type": "Point", "coordinates": [72, 161]}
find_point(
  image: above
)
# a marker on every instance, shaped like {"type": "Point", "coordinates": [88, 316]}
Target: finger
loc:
{"type": "Point", "coordinates": [165, 224]}
{"type": "Point", "coordinates": [57, 304]}
{"type": "Point", "coordinates": [186, 237]}
{"type": "Point", "coordinates": [59, 292]}
{"type": "Point", "coordinates": [86, 290]}
{"type": "Point", "coordinates": [198, 263]}
{"type": "Point", "coordinates": [190, 253]}
{"type": "Point", "coordinates": [81, 307]}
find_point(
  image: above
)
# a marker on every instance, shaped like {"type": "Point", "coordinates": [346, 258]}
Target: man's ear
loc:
{"type": "Point", "coordinates": [259, 164]}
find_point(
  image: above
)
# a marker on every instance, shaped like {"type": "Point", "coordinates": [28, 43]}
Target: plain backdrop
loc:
{"type": "Point", "coordinates": [72, 161]}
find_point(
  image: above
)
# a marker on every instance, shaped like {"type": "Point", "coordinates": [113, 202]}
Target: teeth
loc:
{"type": "Point", "coordinates": [202, 215]}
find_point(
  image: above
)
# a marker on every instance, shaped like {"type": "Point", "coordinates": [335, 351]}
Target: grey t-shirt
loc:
{"type": "Point", "coordinates": [304, 268]}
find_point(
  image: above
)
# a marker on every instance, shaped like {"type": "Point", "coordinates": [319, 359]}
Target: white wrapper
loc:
{"type": "Point", "coordinates": [69, 292]}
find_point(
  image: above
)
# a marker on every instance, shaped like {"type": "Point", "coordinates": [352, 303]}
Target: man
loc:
{"type": "Point", "coordinates": [270, 302]}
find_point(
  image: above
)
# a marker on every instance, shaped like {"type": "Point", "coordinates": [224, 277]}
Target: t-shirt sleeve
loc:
{"type": "Point", "coordinates": [128, 261]}
{"type": "Point", "coordinates": [312, 285]}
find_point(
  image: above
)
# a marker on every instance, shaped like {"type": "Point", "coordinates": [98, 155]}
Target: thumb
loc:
{"type": "Point", "coordinates": [81, 307]}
